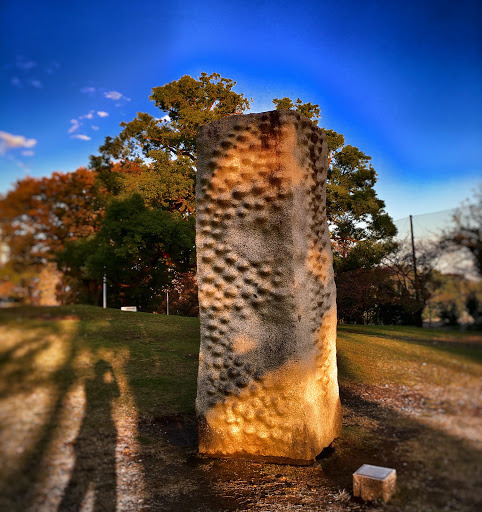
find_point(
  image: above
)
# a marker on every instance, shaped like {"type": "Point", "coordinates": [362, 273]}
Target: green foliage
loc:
{"type": "Point", "coordinates": [136, 248]}
{"type": "Point", "coordinates": [450, 315]}
{"type": "Point", "coordinates": [362, 232]}
{"type": "Point", "coordinates": [155, 158]}
{"type": "Point", "coordinates": [334, 140]}
{"type": "Point", "coordinates": [166, 184]}
{"type": "Point", "coordinates": [309, 110]}
{"type": "Point", "coordinates": [189, 103]}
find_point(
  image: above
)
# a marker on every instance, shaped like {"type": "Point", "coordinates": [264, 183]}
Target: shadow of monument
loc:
{"type": "Point", "coordinates": [95, 445]}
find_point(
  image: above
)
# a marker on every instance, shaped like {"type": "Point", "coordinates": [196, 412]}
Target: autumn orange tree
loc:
{"type": "Point", "coordinates": [46, 212]}
{"type": "Point", "coordinates": [40, 215]}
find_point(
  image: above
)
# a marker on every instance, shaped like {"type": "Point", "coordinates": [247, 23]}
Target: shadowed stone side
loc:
{"type": "Point", "coordinates": [267, 382]}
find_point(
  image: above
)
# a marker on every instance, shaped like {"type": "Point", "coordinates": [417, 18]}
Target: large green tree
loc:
{"type": "Point", "coordinates": [155, 156]}
{"type": "Point", "coordinates": [137, 248]}
{"type": "Point", "coordinates": [160, 152]}
{"type": "Point", "coordinates": [361, 231]}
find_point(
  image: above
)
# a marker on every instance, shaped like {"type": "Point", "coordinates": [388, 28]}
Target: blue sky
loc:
{"type": "Point", "coordinates": [401, 80]}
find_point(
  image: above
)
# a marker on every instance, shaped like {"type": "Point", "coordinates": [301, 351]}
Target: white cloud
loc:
{"type": "Point", "coordinates": [52, 68]}
{"type": "Point", "coordinates": [16, 82]}
{"type": "Point", "coordinates": [90, 115]}
{"type": "Point", "coordinates": [115, 95]}
{"type": "Point", "coordinates": [28, 152]}
{"type": "Point", "coordinates": [87, 90]}
{"type": "Point", "coordinates": [24, 64]}
{"type": "Point", "coordinates": [9, 141]}
{"type": "Point", "coordinates": [165, 118]}
{"type": "Point", "coordinates": [75, 126]}
{"type": "Point", "coordinates": [80, 136]}
{"type": "Point", "coordinates": [36, 83]}
{"type": "Point", "coordinates": [77, 123]}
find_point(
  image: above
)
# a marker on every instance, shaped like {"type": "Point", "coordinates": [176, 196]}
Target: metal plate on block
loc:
{"type": "Point", "coordinates": [377, 472]}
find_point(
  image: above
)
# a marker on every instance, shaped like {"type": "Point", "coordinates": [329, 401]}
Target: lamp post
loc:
{"type": "Point", "coordinates": [104, 290]}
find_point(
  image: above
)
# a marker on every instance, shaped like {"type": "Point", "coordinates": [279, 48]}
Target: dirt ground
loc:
{"type": "Point", "coordinates": [98, 452]}
{"type": "Point", "coordinates": [157, 467]}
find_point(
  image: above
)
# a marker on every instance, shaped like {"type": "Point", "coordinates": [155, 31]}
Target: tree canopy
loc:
{"type": "Point", "coordinates": [40, 214]}
{"type": "Point", "coordinates": [136, 248]}
{"type": "Point", "coordinates": [132, 214]}
{"type": "Point", "coordinates": [156, 157]}
{"type": "Point", "coordinates": [361, 231]}
{"type": "Point", "coordinates": [188, 104]}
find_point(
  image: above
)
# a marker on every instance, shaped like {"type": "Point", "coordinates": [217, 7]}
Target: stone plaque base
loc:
{"type": "Point", "coordinates": [374, 482]}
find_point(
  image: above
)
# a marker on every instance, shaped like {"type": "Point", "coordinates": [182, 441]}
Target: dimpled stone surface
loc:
{"type": "Point", "coordinates": [267, 382]}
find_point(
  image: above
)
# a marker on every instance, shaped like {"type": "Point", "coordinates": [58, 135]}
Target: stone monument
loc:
{"type": "Point", "coordinates": [267, 383]}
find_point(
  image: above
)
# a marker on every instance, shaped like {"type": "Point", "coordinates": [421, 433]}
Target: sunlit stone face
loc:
{"type": "Point", "coordinates": [267, 384]}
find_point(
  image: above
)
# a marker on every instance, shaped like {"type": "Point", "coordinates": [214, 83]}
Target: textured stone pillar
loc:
{"type": "Point", "coordinates": [267, 383]}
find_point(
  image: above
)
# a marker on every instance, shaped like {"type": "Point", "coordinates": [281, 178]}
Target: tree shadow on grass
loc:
{"type": "Point", "coordinates": [17, 488]}
{"type": "Point", "coordinates": [435, 470]}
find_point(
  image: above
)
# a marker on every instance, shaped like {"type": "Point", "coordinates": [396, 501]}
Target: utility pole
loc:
{"type": "Point", "coordinates": [167, 307]}
{"type": "Point", "coordinates": [104, 290]}
{"type": "Point", "coordinates": [417, 288]}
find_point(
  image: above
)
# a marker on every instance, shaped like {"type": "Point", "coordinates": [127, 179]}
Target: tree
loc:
{"type": "Point", "coordinates": [137, 248]}
{"type": "Point", "coordinates": [466, 234]}
{"type": "Point", "coordinates": [414, 292]}
{"type": "Point", "coordinates": [309, 110]}
{"type": "Point", "coordinates": [160, 155]}
{"type": "Point", "coordinates": [183, 294]}
{"type": "Point", "coordinates": [473, 306]}
{"type": "Point", "coordinates": [156, 158]}
{"type": "Point", "coordinates": [163, 150]}
{"type": "Point", "coordinates": [368, 296]}
{"type": "Point", "coordinates": [39, 216]}
{"type": "Point", "coordinates": [361, 231]}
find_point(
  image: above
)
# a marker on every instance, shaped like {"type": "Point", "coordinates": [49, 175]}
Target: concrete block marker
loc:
{"type": "Point", "coordinates": [374, 482]}
{"type": "Point", "coordinates": [129, 308]}
{"type": "Point", "coordinates": [267, 383]}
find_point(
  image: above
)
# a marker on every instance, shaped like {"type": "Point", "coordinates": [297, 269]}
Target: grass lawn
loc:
{"type": "Point", "coordinates": [97, 407]}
